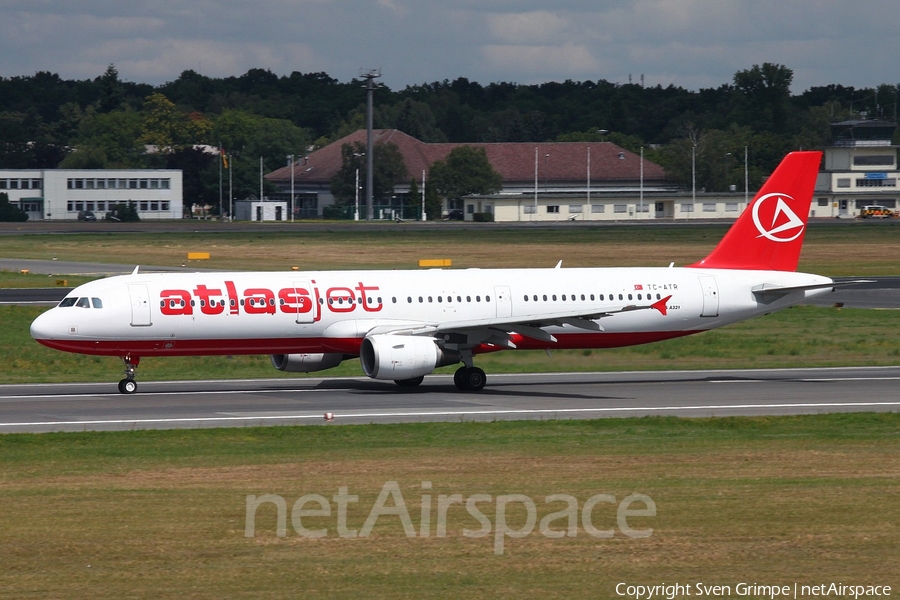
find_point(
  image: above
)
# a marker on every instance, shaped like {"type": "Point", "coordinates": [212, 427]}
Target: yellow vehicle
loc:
{"type": "Point", "coordinates": [877, 212]}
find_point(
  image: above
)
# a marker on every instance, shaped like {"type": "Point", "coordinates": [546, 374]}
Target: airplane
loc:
{"type": "Point", "coordinates": [402, 325]}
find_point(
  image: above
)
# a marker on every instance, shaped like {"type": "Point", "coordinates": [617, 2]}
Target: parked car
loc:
{"type": "Point", "coordinates": [455, 215]}
{"type": "Point", "coordinates": [875, 211]}
{"type": "Point", "coordinates": [86, 215]}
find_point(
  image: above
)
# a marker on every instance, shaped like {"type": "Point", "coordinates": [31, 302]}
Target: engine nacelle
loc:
{"type": "Point", "coordinates": [398, 357]}
{"type": "Point", "coordinates": [305, 363]}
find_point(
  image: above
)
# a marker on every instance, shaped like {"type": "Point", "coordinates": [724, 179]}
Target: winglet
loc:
{"type": "Point", "coordinates": [661, 305]}
{"type": "Point", "coordinates": [135, 272]}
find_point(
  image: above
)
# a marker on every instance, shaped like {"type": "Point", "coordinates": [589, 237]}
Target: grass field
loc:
{"type": "Point", "coordinates": [769, 500]}
{"type": "Point", "coordinates": [861, 249]}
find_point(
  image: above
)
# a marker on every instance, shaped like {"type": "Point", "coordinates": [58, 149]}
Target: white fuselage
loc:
{"type": "Point", "coordinates": [332, 311]}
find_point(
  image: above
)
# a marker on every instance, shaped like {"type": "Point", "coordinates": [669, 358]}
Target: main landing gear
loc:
{"type": "Point", "coordinates": [469, 379]}
{"type": "Point", "coordinates": [129, 385]}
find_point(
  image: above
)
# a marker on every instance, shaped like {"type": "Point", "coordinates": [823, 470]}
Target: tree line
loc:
{"type": "Point", "coordinates": [48, 122]}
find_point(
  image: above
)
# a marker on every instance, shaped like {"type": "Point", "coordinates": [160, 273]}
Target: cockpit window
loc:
{"type": "Point", "coordinates": [83, 303]}
{"type": "Point", "coordinates": [67, 302]}
{"type": "Point", "coordinates": [96, 302]}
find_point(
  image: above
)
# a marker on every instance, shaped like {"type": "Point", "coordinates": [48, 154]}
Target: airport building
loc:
{"type": "Point", "coordinates": [596, 181]}
{"type": "Point", "coordinates": [541, 181]}
{"type": "Point", "coordinates": [860, 169]}
{"type": "Point", "coordinates": [60, 194]}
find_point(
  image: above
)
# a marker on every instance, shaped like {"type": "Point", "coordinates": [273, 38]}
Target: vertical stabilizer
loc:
{"type": "Point", "coordinates": [769, 234]}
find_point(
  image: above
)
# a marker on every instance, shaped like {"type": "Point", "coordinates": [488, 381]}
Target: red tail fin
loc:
{"type": "Point", "coordinates": [769, 233]}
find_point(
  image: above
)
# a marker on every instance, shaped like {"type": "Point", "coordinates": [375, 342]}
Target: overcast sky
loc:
{"type": "Point", "coordinates": [689, 43]}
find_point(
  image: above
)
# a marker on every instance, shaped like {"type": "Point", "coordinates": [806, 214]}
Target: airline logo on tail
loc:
{"type": "Point", "coordinates": [784, 225]}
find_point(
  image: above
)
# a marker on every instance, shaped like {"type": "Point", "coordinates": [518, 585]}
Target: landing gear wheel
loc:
{"type": "Point", "coordinates": [469, 379]}
{"type": "Point", "coordinates": [410, 383]}
{"type": "Point", "coordinates": [129, 385]}
{"type": "Point", "coordinates": [475, 379]}
{"type": "Point", "coordinates": [459, 379]}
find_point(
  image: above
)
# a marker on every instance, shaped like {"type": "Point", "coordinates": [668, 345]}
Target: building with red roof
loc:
{"type": "Point", "coordinates": [541, 181]}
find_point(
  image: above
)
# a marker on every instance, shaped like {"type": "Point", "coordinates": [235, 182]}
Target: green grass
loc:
{"type": "Point", "coordinates": [33, 280]}
{"type": "Point", "coordinates": [133, 514]}
{"type": "Point", "coordinates": [850, 249]}
{"type": "Point", "coordinates": [799, 337]}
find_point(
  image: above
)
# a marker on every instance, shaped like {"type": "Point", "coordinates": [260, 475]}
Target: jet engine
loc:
{"type": "Point", "coordinates": [305, 363]}
{"type": "Point", "coordinates": [402, 357]}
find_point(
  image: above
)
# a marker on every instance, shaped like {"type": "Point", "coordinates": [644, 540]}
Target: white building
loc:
{"type": "Point", "coordinates": [60, 194]}
{"type": "Point", "coordinates": [261, 210]}
{"type": "Point", "coordinates": [860, 169]}
{"type": "Point", "coordinates": [609, 205]}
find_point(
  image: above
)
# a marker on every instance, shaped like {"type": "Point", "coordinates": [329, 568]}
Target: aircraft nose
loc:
{"type": "Point", "coordinates": [45, 326]}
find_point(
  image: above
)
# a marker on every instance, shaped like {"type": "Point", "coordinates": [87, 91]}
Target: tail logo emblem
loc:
{"type": "Point", "coordinates": [783, 224]}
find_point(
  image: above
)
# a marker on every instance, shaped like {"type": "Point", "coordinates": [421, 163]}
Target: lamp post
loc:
{"type": "Point", "coordinates": [423, 195]}
{"type": "Point", "coordinates": [602, 133]}
{"type": "Point", "coordinates": [693, 177]}
{"type": "Point", "coordinates": [588, 180]}
{"type": "Point", "coordinates": [370, 77]}
{"type": "Point", "coordinates": [535, 182]}
{"type": "Point", "coordinates": [641, 208]}
{"type": "Point", "coordinates": [357, 155]}
{"type": "Point", "coordinates": [746, 180]}
{"type": "Point", "coordinates": [356, 212]}
{"type": "Point", "coordinates": [291, 163]}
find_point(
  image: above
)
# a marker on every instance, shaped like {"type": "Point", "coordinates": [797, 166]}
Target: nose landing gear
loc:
{"type": "Point", "coordinates": [129, 385]}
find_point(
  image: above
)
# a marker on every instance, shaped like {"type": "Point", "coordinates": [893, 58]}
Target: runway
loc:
{"type": "Point", "coordinates": [304, 401]}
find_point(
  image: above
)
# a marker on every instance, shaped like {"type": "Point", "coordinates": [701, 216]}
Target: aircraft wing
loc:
{"type": "Point", "coordinates": [496, 330]}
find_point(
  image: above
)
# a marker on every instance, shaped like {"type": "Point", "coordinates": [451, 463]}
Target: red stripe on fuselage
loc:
{"type": "Point", "coordinates": [223, 347]}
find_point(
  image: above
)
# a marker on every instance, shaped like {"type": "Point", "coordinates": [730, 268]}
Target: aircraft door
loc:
{"type": "Point", "coordinates": [504, 301]}
{"type": "Point", "coordinates": [306, 311]}
{"type": "Point", "coordinates": [710, 296]}
{"type": "Point", "coordinates": [140, 305]}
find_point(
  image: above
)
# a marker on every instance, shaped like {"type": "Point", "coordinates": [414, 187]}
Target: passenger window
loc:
{"type": "Point", "coordinates": [67, 302]}
{"type": "Point", "coordinates": [83, 303]}
{"type": "Point", "coordinates": [564, 297]}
